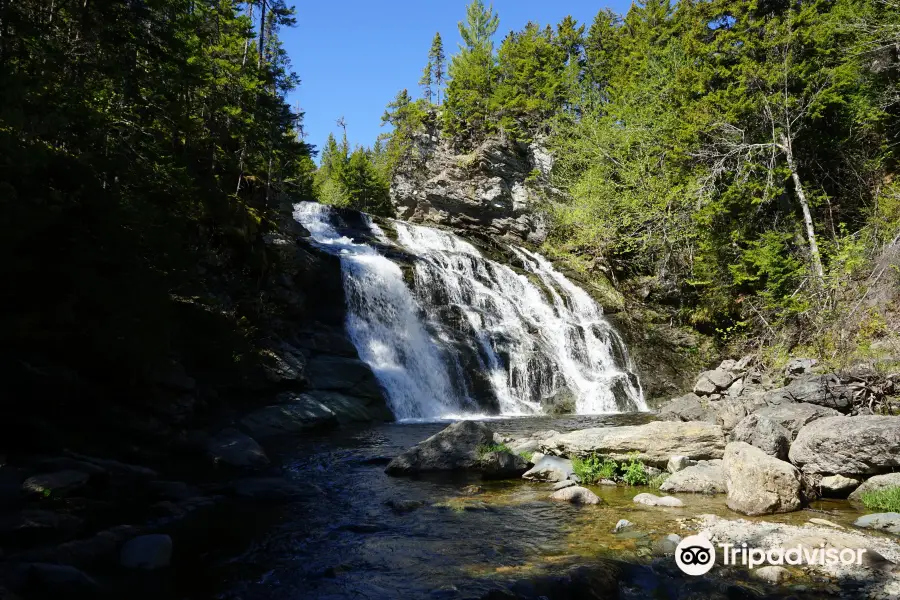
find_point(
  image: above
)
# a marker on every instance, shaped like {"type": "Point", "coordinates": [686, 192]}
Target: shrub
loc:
{"type": "Point", "coordinates": [487, 448]}
{"type": "Point", "coordinates": [634, 472]}
{"type": "Point", "coordinates": [887, 500]}
{"type": "Point", "coordinates": [527, 455]}
{"type": "Point", "coordinates": [593, 468]}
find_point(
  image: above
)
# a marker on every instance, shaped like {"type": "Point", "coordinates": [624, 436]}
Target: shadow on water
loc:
{"type": "Point", "coordinates": [363, 534]}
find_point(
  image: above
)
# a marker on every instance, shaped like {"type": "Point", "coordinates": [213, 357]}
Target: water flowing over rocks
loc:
{"type": "Point", "coordinates": [653, 443]}
{"type": "Point", "coordinates": [757, 483]}
{"type": "Point", "coordinates": [863, 445]}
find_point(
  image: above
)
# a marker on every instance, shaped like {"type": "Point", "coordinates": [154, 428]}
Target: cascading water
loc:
{"type": "Point", "coordinates": [473, 334]}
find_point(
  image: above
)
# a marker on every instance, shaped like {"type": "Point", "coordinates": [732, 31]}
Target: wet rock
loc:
{"type": "Point", "coordinates": [59, 483]}
{"type": "Point", "coordinates": [837, 486]}
{"type": "Point", "coordinates": [622, 525]}
{"type": "Point", "coordinates": [653, 500]}
{"type": "Point", "coordinates": [575, 495]}
{"type": "Point", "coordinates": [472, 490]}
{"type": "Point", "coordinates": [550, 468]}
{"type": "Point", "coordinates": [269, 489]}
{"type": "Point", "coordinates": [562, 485]}
{"type": "Point", "coordinates": [562, 402]}
{"type": "Point", "coordinates": [347, 408]}
{"type": "Point", "coordinates": [284, 363]}
{"type": "Point", "coordinates": [453, 448]}
{"type": "Point", "coordinates": [688, 408]}
{"type": "Point", "coordinates": [771, 574]}
{"type": "Point", "coordinates": [765, 434]}
{"type": "Point", "coordinates": [652, 443]}
{"type": "Point", "coordinates": [84, 553]}
{"type": "Point", "coordinates": [889, 522]}
{"type": "Point", "coordinates": [873, 484]}
{"type": "Point", "coordinates": [147, 552]}
{"type": "Point", "coordinates": [794, 416]}
{"type": "Point", "coordinates": [303, 413]}
{"type": "Point", "coordinates": [502, 465]}
{"type": "Point", "coordinates": [699, 479]}
{"type": "Point", "coordinates": [404, 506]}
{"type": "Point", "coordinates": [233, 448]}
{"type": "Point", "coordinates": [678, 463]}
{"type": "Point", "coordinates": [825, 522]}
{"type": "Point", "coordinates": [757, 483]}
{"type": "Point", "coordinates": [64, 463]}
{"type": "Point", "coordinates": [666, 546]}
{"type": "Point", "coordinates": [848, 445]}
{"type": "Point", "coordinates": [118, 469]}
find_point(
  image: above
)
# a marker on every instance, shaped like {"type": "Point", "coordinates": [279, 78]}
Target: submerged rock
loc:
{"type": "Point", "coordinates": [652, 443]}
{"type": "Point", "coordinates": [576, 495]}
{"type": "Point", "coordinates": [757, 483]}
{"type": "Point", "coordinates": [653, 500]}
{"type": "Point", "coordinates": [550, 468]}
{"type": "Point", "coordinates": [848, 445]}
{"type": "Point", "coordinates": [456, 447]}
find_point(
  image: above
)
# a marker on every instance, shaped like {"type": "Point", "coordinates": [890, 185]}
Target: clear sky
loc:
{"type": "Point", "coordinates": [353, 56]}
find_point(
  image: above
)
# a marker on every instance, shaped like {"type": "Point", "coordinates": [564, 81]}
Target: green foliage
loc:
{"type": "Point", "coordinates": [488, 448]}
{"type": "Point", "coordinates": [634, 473]}
{"type": "Point", "coordinates": [593, 468]}
{"type": "Point", "coordinates": [527, 455]}
{"type": "Point", "coordinates": [657, 480]}
{"type": "Point", "coordinates": [886, 500]}
{"type": "Point", "coordinates": [352, 179]}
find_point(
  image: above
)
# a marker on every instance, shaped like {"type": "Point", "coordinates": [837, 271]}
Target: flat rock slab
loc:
{"type": "Point", "coordinates": [794, 416]}
{"type": "Point", "coordinates": [757, 483]}
{"type": "Point", "coordinates": [889, 522]}
{"type": "Point", "coordinates": [654, 443]}
{"type": "Point", "coordinates": [699, 479]}
{"type": "Point", "coordinates": [864, 445]}
{"type": "Point", "coordinates": [576, 495]}
{"type": "Point", "coordinates": [653, 500]}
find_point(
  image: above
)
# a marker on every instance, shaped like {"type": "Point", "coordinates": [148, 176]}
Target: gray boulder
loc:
{"type": "Point", "coordinates": [622, 525]}
{"type": "Point", "coordinates": [757, 483]}
{"type": "Point", "coordinates": [562, 485]}
{"type": "Point", "coordinates": [837, 486]}
{"type": "Point", "coordinates": [713, 381]}
{"type": "Point", "coordinates": [550, 468]}
{"type": "Point", "coordinates": [455, 447]}
{"type": "Point", "coordinates": [502, 465]}
{"type": "Point", "coordinates": [889, 522]}
{"type": "Point", "coordinates": [733, 410]}
{"type": "Point", "coordinates": [688, 408]}
{"type": "Point", "coordinates": [765, 434]}
{"type": "Point", "coordinates": [799, 366]}
{"type": "Point", "coordinates": [874, 484]}
{"type": "Point", "coordinates": [699, 479]}
{"type": "Point", "coordinates": [233, 448]}
{"type": "Point", "coordinates": [147, 552]}
{"type": "Point", "coordinates": [653, 442]}
{"type": "Point", "coordinates": [848, 445]}
{"type": "Point", "coordinates": [576, 495]}
{"type": "Point", "coordinates": [304, 413]}
{"type": "Point", "coordinates": [677, 463]}
{"type": "Point", "coordinates": [59, 483]}
{"type": "Point", "coordinates": [794, 416]}
{"type": "Point", "coordinates": [822, 390]}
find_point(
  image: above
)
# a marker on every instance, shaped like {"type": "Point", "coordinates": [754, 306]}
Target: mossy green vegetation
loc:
{"type": "Point", "coordinates": [886, 500]}
{"type": "Point", "coordinates": [594, 468]}
{"type": "Point", "coordinates": [488, 448]}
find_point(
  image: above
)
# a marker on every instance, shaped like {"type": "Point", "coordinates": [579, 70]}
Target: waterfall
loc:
{"type": "Point", "coordinates": [468, 334]}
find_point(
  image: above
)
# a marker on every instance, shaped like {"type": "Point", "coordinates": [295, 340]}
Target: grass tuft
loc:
{"type": "Point", "coordinates": [886, 500]}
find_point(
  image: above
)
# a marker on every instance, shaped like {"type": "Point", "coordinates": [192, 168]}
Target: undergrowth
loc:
{"type": "Point", "coordinates": [886, 500]}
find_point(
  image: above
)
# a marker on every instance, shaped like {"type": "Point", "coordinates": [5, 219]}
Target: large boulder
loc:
{"type": "Point", "coordinates": [233, 448]}
{"type": "Point", "coordinates": [654, 500]}
{"type": "Point", "coordinates": [455, 447]}
{"type": "Point", "coordinates": [823, 390]}
{"type": "Point", "coordinates": [874, 484]}
{"type": "Point", "coordinates": [549, 468]}
{"type": "Point", "coordinates": [653, 442]}
{"type": "Point", "coordinates": [837, 486]}
{"type": "Point", "coordinates": [687, 408]}
{"type": "Point", "coordinates": [794, 416]}
{"type": "Point", "coordinates": [765, 434]}
{"type": "Point", "coordinates": [502, 465]}
{"type": "Point", "coordinates": [697, 479]}
{"type": "Point", "coordinates": [714, 381]}
{"type": "Point", "coordinates": [576, 495]}
{"type": "Point", "coordinates": [300, 415]}
{"type": "Point", "coordinates": [848, 445]}
{"type": "Point", "coordinates": [759, 484]}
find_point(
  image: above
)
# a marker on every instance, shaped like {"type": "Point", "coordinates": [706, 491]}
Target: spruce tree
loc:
{"type": "Point", "coordinates": [426, 81]}
{"type": "Point", "coordinates": [436, 59]}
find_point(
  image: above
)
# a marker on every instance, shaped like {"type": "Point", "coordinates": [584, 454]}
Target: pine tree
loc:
{"type": "Point", "coordinates": [426, 81]}
{"type": "Point", "coordinates": [436, 59]}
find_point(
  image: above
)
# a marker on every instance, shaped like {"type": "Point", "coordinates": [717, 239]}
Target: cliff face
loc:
{"type": "Point", "coordinates": [495, 190]}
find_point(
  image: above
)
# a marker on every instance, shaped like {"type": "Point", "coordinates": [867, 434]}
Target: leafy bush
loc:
{"type": "Point", "coordinates": [634, 472]}
{"type": "Point", "coordinates": [593, 468]}
{"type": "Point", "coordinates": [487, 448]}
{"type": "Point", "coordinates": [887, 500]}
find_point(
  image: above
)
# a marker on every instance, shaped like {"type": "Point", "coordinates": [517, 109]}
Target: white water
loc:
{"type": "Point", "coordinates": [473, 332]}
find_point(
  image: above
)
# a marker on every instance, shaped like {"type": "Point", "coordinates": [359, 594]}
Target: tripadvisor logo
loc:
{"type": "Point", "coordinates": [695, 555]}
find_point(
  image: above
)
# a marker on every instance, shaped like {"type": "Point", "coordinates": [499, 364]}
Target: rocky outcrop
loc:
{"type": "Point", "coordinates": [757, 483]}
{"type": "Point", "coordinates": [453, 448]}
{"type": "Point", "coordinates": [652, 444]}
{"type": "Point", "coordinates": [765, 434]}
{"type": "Point", "coordinates": [862, 445]}
{"type": "Point", "coordinates": [490, 191]}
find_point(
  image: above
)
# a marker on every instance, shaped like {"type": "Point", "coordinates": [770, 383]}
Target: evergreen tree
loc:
{"type": "Point", "coordinates": [426, 81]}
{"type": "Point", "coordinates": [437, 60]}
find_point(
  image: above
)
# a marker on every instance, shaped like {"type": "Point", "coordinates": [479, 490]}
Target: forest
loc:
{"type": "Point", "coordinates": [742, 153]}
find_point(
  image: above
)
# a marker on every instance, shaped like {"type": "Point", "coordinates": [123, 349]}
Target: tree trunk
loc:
{"type": "Point", "coordinates": [804, 205]}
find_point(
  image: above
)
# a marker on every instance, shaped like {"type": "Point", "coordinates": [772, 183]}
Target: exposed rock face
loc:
{"type": "Point", "coordinates": [698, 479]}
{"type": "Point", "coordinates": [489, 191]}
{"type": "Point", "coordinates": [576, 495]}
{"type": "Point", "coordinates": [455, 447]}
{"type": "Point", "coordinates": [873, 484]}
{"type": "Point", "coordinates": [759, 484]}
{"type": "Point", "coordinates": [794, 416]}
{"type": "Point", "coordinates": [848, 445]}
{"type": "Point", "coordinates": [282, 419]}
{"type": "Point", "coordinates": [654, 442]}
{"type": "Point", "coordinates": [823, 390]}
{"type": "Point", "coordinates": [765, 434]}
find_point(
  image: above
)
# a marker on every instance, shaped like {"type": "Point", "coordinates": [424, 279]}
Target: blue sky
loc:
{"type": "Point", "coordinates": [353, 56]}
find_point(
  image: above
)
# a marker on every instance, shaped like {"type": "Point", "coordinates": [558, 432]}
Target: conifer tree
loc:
{"type": "Point", "coordinates": [437, 59]}
{"type": "Point", "coordinates": [426, 81]}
